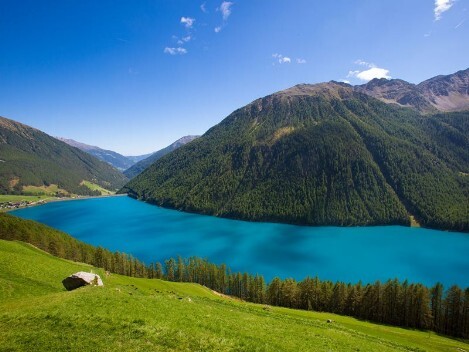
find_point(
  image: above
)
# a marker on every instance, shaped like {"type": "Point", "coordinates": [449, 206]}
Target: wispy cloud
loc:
{"type": "Point", "coordinates": [372, 71]}
{"type": "Point", "coordinates": [460, 24]}
{"type": "Point", "coordinates": [442, 6]}
{"type": "Point", "coordinates": [363, 63]}
{"type": "Point", "coordinates": [175, 51]}
{"type": "Point", "coordinates": [225, 9]}
{"type": "Point", "coordinates": [188, 21]}
{"type": "Point", "coordinates": [203, 7]}
{"type": "Point", "coordinates": [183, 40]}
{"type": "Point", "coordinates": [281, 58]}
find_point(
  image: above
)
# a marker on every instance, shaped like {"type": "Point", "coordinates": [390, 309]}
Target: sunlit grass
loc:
{"type": "Point", "coordinates": [129, 314]}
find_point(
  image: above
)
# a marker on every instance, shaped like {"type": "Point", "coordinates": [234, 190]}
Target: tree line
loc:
{"type": "Point", "coordinates": [394, 302]}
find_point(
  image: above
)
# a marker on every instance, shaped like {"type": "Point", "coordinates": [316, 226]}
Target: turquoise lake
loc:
{"type": "Point", "coordinates": [348, 254]}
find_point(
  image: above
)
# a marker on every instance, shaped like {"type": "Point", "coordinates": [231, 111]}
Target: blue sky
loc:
{"type": "Point", "coordinates": [133, 76]}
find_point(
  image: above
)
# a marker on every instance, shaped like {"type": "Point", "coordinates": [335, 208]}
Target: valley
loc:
{"type": "Point", "coordinates": [337, 196]}
{"type": "Point", "coordinates": [225, 175]}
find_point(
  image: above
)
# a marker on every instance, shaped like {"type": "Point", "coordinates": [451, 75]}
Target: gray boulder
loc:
{"type": "Point", "coordinates": [80, 279]}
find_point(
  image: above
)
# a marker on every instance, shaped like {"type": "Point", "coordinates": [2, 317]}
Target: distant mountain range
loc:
{"type": "Point", "coordinates": [329, 154]}
{"type": "Point", "coordinates": [117, 160]}
{"type": "Point", "coordinates": [129, 165]}
{"type": "Point", "coordinates": [29, 157]}
{"type": "Point", "coordinates": [137, 158]}
{"type": "Point", "coordinates": [143, 164]}
{"type": "Point", "coordinates": [441, 93]}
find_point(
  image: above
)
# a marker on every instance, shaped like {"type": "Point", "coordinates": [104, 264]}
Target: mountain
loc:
{"type": "Point", "coordinates": [143, 164]}
{"type": "Point", "coordinates": [321, 154]}
{"type": "Point", "coordinates": [29, 157]}
{"type": "Point", "coordinates": [440, 93]}
{"type": "Point", "coordinates": [136, 158]}
{"type": "Point", "coordinates": [117, 160]}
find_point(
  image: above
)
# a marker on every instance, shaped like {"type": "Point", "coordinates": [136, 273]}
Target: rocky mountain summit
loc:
{"type": "Point", "coordinates": [441, 93]}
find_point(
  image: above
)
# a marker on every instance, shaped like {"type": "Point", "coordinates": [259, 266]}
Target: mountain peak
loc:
{"type": "Point", "coordinates": [328, 90]}
{"type": "Point", "coordinates": [440, 93]}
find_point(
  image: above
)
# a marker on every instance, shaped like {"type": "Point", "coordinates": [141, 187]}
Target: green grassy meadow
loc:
{"type": "Point", "coordinates": [19, 198]}
{"type": "Point", "coordinates": [131, 314]}
{"type": "Point", "coordinates": [95, 187]}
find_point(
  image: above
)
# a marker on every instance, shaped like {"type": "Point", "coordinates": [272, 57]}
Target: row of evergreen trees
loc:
{"type": "Point", "coordinates": [393, 302]}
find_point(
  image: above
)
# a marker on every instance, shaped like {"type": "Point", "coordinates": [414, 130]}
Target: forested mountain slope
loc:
{"type": "Point", "coordinates": [29, 157]}
{"type": "Point", "coordinates": [143, 164]}
{"type": "Point", "coordinates": [322, 155]}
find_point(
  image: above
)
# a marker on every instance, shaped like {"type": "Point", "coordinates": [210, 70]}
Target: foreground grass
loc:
{"type": "Point", "coordinates": [152, 315]}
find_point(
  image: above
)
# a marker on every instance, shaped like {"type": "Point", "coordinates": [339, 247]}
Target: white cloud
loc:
{"type": "Point", "coordinates": [368, 75]}
{"type": "Point", "coordinates": [203, 8]}
{"type": "Point", "coordinates": [367, 72]}
{"type": "Point", "coordinates": [442, 6]}
{"type": "Point", "coordinates": [344, 81]}
{"type": "Point", "coordinates": [281, 58]}
{"type": "Point", "coordinates": [225, 9]}
{"type": "Point", "coordinates": [187, 21]}
{"type": "Point", "coordinates": [217, 29]}
{"type": "Point", "coordinates": [175, 51]}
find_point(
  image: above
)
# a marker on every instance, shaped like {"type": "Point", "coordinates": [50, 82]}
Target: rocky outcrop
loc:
{"type": "Point", "coordinates": [80, 279]}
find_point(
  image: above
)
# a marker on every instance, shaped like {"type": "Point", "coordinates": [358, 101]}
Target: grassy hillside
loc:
{"type": "Point", "coordinates": [30, 157]}
{"type": "Point", "coordinates": [130, 314]}
{"type": "Point", "coordinates": [320, 155]}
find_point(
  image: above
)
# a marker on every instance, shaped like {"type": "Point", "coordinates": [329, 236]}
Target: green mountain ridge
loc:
{"type": "Point", "coordinates": [141, 165]}
{"type": "Point", "coordinates": [320, 154]}
{"type": "Point", "coordinates": [30, 157]}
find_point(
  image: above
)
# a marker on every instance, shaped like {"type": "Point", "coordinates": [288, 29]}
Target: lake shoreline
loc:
{"type": "Point", "coordinates": [153, 234]}
{"type": "Point", "coordinates": [64, 199]}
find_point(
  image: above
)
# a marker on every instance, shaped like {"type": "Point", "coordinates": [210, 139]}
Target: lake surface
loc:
{"type": "Point", "coordinates": [350, 254]}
